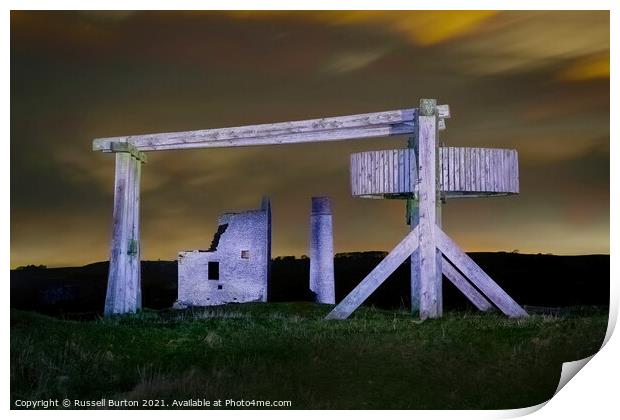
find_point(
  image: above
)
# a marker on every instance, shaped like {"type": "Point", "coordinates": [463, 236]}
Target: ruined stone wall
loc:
{"type": "Point", "coordinates": [241, 249]}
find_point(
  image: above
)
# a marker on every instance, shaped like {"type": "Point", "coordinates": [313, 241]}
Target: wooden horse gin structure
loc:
{"type": "Point", "coordinates": [424, 174]}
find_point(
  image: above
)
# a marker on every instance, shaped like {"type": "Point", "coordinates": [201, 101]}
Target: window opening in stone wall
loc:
{"type": "Point", "coordinates": [214, 270]}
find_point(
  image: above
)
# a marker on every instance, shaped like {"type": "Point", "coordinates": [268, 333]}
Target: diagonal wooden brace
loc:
{"type": "Point", "coordinates": [477, 276]}
{"type": "Point", "coordinates": [464, 286]}
{"type": "Point", "coordinates": [376, 277]}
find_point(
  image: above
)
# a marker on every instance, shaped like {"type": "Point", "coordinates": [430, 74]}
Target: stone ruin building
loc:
{"type": "Point", "coordinates": [235, 268]}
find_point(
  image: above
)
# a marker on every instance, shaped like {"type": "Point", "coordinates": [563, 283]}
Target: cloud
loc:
{"type": "Point", "coordinates": [594, 66]}
{"type": "Point", "coordinates": [347, 62]}
{"type": "Point", "coordinates": [526, 41]}
{"type": "Point", "coordinates": [418, 27]}
{"type": "Point", "coordinates": [534, 81]}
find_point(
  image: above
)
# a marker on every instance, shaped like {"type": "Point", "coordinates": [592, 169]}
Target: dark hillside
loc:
{"type": "Point", "coordinates": [541, 280]}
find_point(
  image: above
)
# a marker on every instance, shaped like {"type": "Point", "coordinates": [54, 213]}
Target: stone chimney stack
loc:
{"type": "Point", "coordinates": [322, 251]}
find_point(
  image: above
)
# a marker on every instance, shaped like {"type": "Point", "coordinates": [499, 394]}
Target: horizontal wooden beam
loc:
{"type": "Point", "coordinates": [387, 123]}
{"type": "Point", "coordinates": [375, 124]}
{"type": "Point", "coordinates": [310, 137]}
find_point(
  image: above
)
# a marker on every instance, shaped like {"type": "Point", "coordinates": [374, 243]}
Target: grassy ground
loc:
{"type": "Point", "coordinates": [377, 359]}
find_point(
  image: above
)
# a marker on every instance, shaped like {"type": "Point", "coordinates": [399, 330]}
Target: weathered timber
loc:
{"type": "Point", "coordinates": [464, 286]}
{"type": "Point", "coordinates": [395, 176]}
{"type": "Point", "coordinates": [136, 249]}
{"type": "Point", "coordinates": [414, 214]}
{"type": "Point", "coordinates": [123, 292]}
{"type": "Point", "coordinates": [413, 219]}
{"type": "Point", "coordinates": [376, 277]}
{"type": "Point", "coordinates": [477, 276]}
{"type": "Point", "coordinates": [478, 172]}
{"type": "Point", "coordinates": [387, 123]}
{"type": "Point", "coordinates": [438, 221]}
{"type": "Point", "coordinates": [427, 131]}
{"type": "Point", "coordinates": [124, 147]}
{"type": "Point", "coordinates": [463, 172]}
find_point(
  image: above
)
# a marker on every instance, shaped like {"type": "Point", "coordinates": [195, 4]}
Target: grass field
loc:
{"type": "Point", "coordinates": [375, 360]}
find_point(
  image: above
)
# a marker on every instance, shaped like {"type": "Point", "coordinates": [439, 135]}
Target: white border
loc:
{"type": "Point", "coordinates": [592, 394]}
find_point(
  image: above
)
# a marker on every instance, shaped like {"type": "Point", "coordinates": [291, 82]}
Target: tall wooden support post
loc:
{"type": "Point", "coordinates": [413, 219]}
{"type": "Point", "coordinates": [430, 280]}
{"type": "Point", "coordinates": [124, 283]}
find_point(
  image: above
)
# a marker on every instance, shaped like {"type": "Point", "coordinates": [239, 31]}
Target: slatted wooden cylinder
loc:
{"type": "Point", "coordinates": [463, 172]}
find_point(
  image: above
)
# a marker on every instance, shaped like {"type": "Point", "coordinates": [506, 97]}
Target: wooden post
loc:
{"type": "Point", "coordinates": [430, 306]}
{"type": "Point", "coordinates": [438, 261]}
{"type": "Point", "coordinates": [413, 219]}
{"type": "Point", "coordinates": [413, 210]}
{"type": "Point", "coordinates": [124, 282]}
{"type": "Point", "coordinates": [438, 222]}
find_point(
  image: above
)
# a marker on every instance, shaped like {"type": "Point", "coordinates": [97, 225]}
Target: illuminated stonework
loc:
{"type": "Point", "coordinates": [236, 266]}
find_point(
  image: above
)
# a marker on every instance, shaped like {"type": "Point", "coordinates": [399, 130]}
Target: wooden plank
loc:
{"type": "Point", "coordinates": [501, 175]}
{"type": "Point", "coordinates": [392, 171]}
{"type": "Point", "coordinates": [401, 171]}
{"type": "Point", "coordinates": [397, 168]}
{"type": "Point", "coordinates": [461, 283]}
{"type": "Point", "coordinates": [495, 169]}
{"type": "Point", "coordinates": [408, 169]}
{"type": "Point", "coordinates": [427, 131]}
{"type": "Point", "coordinates": [487, 173]}
{"type": "Point", "coordinates": [376, 277]}
{"type": "Point", "coordinates": [478, 170]}
{"type": "Point", "coordinates": [366, 179]}
{"type": "Point", "coordinates": [477, 276]}
{"type": "Point", "coordinates": [385, 170]}
{"type": "Point", "coordinates": [484, 171]}
{"type": "Point", "coordinates": [395, 161]}
{"type": "Point", "coordinates": [374, 124]}
{"type": "Point", "coordinates": [375, 165]}
{"type": "Point", "coordinates": [450, 171]}
{"type": "Point", "coordinates": [462, 168]}
{"type": "Point", "coordinates": [516, 171]}
{"type": "Point", "coordinates": [353, 172]}
{"type": "Point", "coordinates": [470, 168]}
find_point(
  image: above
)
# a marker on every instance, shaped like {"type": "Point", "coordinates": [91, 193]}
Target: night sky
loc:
{"type": "Point", "coordinates": [534, 81]}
